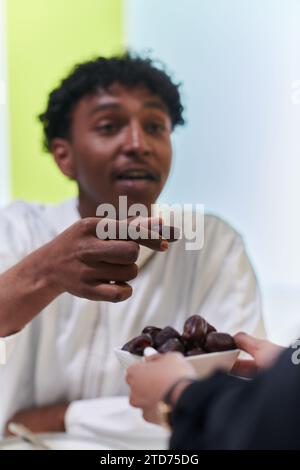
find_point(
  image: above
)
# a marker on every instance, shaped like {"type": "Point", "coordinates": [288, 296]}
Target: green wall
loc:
{"type": "Point", "coordinates": [45, 38]}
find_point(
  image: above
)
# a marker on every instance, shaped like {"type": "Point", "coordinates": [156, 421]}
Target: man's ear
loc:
{"type": "Point", "coordinates": [63, 156]}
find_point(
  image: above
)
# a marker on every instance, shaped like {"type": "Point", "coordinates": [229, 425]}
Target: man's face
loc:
{"type": "Point", "coordinates": [120, 145]}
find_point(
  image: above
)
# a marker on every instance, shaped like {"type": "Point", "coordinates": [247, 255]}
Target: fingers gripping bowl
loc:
{"type": "Point", "coordinates": [204, 348]}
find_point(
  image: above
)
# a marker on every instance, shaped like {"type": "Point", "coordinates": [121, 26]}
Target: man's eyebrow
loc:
{"type": "Point", "coordinates": [155, 104]}
{"type": "Point", "coordinates": [104, 107]}
{"type": "Point", "coordinates": [148, 104]}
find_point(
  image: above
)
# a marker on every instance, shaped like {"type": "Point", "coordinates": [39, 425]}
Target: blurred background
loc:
{"type": "Point", "coordinates": [239, 154]}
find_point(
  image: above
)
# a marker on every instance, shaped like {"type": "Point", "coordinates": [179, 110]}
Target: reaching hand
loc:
{"type": "Point", "coordinates": [149, 381]}
{"type": "Point", "coordinates": [264, 354]}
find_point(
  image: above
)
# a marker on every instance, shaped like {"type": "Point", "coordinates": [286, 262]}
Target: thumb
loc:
{"type": "Point", "coordinates": [244, 367]}
{"type": "Point", "coordinates": [152, 358]}
{"type": "Point", "coordinates": [247, 343]}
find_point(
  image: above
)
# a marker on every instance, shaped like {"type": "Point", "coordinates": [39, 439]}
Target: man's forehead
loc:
{"type": "Point", "coordinates": [119, 96]}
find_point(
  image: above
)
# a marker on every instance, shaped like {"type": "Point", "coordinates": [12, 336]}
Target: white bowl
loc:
{"type": "Point", "coordinates": [204, 364]}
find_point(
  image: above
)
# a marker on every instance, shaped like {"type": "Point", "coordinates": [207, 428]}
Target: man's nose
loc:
{"type": "Point", "coordinates": [135, 141]}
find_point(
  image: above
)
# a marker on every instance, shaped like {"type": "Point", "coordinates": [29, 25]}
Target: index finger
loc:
{"type": "Point", "coordinates": [151, 233]}
{"type": "Point", "coordinates": [135, 230]}
{"type": "Point", "coordinates": [158, 228]}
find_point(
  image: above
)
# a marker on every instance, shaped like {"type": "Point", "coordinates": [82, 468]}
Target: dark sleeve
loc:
{"type": "Point", "coordinates": [226, 413]}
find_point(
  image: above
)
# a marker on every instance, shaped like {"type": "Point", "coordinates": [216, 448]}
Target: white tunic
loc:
{"type": "Point", "coordinates": [66, 352]}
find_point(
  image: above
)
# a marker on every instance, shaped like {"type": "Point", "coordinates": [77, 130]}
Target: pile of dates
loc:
{"type": "Point", "coordinates": [198, 337]}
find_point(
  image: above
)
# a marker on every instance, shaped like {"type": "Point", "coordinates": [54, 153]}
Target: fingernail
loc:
{"type": "Point", "coordinates": [164, 245]}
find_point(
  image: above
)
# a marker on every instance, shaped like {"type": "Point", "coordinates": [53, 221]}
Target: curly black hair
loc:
{"type": "Point", "coordinates": [86, 78]}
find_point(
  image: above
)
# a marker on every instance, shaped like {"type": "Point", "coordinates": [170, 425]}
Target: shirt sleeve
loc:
{"type": "Point", "coordinates": [231, 299]}
{"type": "Point", "coordinates": [15, 234]}
{"type": "Point", "coordinates": [248, 295]}
{"type": "Point", "coordinates": [7, 345]}
{"type": "Point", "coordinates": [14, 245]}
{"type": "Point", "coordinates": [115, 423]}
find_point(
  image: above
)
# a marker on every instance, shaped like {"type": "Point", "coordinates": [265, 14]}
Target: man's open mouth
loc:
{"type": "Point", "coordinates": [144, 175]}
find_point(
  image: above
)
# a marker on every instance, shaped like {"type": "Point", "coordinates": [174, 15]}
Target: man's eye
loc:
{"type": "Point", "coordinates": [107, 129]}
{"type": "Point", "coordinates": [154, 128]}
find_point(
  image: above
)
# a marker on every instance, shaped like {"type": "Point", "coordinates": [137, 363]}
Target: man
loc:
{"type": "Point", "coordinates": [224, 412]}
{"type": "Point", "coordinates": [108, 126]}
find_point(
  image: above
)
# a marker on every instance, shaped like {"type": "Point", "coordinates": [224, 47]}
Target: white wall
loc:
{"type": "Point", "coordinates": [4, 173]}
{"type": "Point", "coordinates": [240, 152]}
